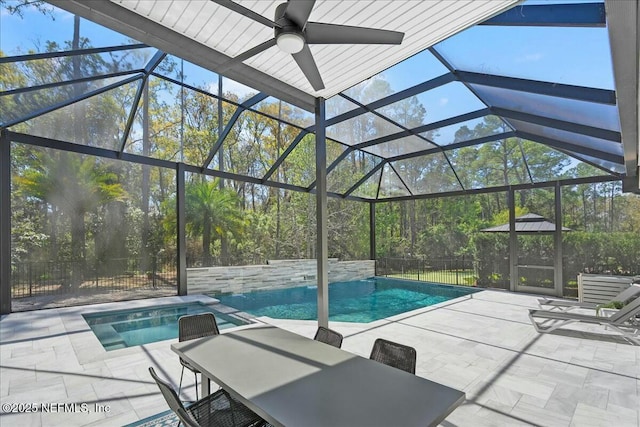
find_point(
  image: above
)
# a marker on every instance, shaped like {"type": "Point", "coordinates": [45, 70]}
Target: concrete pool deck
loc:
{"type": "Point", "coordinates": [482, 344]}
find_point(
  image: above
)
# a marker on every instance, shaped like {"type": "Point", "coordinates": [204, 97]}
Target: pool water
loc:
{"type": "Point", "coordinates": [128, 328]}
{"type": "Point", "coordinates": [359, 301]}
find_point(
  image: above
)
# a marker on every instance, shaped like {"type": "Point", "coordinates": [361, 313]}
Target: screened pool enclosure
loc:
{"type": "Point", "coordinates": [110, 110]}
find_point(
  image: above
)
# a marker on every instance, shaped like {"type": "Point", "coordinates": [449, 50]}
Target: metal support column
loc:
{"type": "Point", "coordinates": [557, 242]}
{"type": "Point", "coordinates": [322, 251]}
{"type": "Point", "coordinates": [181, 238]}
{"type": "Point", "coordinates": [5, 224]}
{"type": "Point", "coordinates": [513, 241]}
{"type": "Point", "coordinates": [372, 231]}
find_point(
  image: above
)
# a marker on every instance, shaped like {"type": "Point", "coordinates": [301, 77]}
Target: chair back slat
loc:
{"type": "Point", "coordinates": [393, 354]}
{"type": "Point", "coordinates": [628, 293]}
{"type": "Point", "coordinates": [626, 312]}
{"type": "Point", "coordinates": [328, 336]}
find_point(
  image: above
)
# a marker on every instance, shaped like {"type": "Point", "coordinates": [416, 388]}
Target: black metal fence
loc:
{"type": "Point", "coordinates": [39, 278]}
{"type": "Point", "coordinates": [449, 270]}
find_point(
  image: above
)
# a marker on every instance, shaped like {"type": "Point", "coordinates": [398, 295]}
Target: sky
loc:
{"type": "Point", "coordinates": [19, 35]}
{"type": "Point", "coordinates": [577, 56]}
{"type": "Point", "coordinates": [564, 55]}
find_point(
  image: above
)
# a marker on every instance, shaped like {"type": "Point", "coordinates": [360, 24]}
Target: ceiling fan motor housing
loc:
{"type": "Point", "coordinates": [289, 36]}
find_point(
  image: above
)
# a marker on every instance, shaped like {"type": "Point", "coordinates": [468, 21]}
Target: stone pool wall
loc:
{"type": "Point", "coordinates": [274, 274]}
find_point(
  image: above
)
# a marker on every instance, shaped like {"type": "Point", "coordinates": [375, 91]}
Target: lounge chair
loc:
{"type": "Point", "coordinates": [566, 305]}
{"type": "Point", "coordinates": [623, 320]}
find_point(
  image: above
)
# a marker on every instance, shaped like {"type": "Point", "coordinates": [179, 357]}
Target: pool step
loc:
{"type": "Point", "coordinates": [145, 322]}
{"type": "Point", "coordinates": [144, 327]}
{"type": "Point", "coordinates": [223, 323]}
{"type": "Point", "coordinates": [108, 336]}
{"type": "Point", "coordinates": [148, 321]}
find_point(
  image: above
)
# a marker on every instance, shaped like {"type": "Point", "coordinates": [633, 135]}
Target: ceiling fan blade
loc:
{"type": "Point", "coordinates": [320, 33]}
{"type": "Point", "coordinates": [246, 55]}
{"type": "Point", "coordinates": [307, 64]}
{"type": "Point", "coordinates": [246, 12]}
{"type": "Point", "coordinates": [298, 11]}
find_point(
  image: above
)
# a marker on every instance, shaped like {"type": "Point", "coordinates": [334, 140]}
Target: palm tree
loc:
{"type": "Point", "coordinates": [212, 212]}
{"type": "Point", "coordinates": [75, 185]}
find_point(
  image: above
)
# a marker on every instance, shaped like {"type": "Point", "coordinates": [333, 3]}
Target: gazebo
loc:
{"type": "Point", "coordinates": [528, 223]}
{"type": "Point", "coordinates": [532, 224]}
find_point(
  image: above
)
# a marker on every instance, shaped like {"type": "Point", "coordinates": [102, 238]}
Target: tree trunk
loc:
{"type": "Point", "coordinates": [144, 197]}
{"type": "Point", "coordinates": [611, 211]}
{"type": "Point", "coordinates": [584, 209]}
{"type": "Point", "coordinates": [277, 224]}
{"type": "Point", "coordinates": [77, 249]}
{"type": "Point", "coordinates": [595, 203]}
{"type": "Point", "coordinates": [310, 228]}
{"type": "Point", "coordinates": [77, 217]}
{"type": "Point", "coordinates": [55, 250]}
{"type": "Point", "coordinates": [206, 242]}
{"type": "Point", "coordinates": [413, 226]}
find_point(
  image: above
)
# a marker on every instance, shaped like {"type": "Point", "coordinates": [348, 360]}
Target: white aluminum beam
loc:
{"type": "Point", "coordinates": [623, 19]}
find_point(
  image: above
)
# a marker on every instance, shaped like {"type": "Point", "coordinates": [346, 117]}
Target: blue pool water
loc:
{"type": "Point", "coordinates": [359, 301]}
{"type": "Point", "coordinates": [128, 328]}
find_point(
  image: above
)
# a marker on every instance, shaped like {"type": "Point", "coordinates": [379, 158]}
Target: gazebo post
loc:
{"type": "Point", "coordinates": [557, 242]}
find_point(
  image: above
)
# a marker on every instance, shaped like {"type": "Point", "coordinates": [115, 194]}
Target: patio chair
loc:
{"type": "Point", "coordinates": [566, 305]}
{"type": "Point", "coordinates": [219, 409]}
{"type": "Point", "coordinates": [191, 327]}
{"type": "Point", "coordinates": [393, 354]}
{"type": "Point", "coordinates": [328, 336]}
{"type": "Point", "coordinates": [623, 320]}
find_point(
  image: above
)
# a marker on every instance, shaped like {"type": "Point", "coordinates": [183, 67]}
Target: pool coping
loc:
{"type": "Point", "coordinates": [86, 345]}
{"type": "Point", "coordinates": [88, 348]}
{"type": "Point", "coordinates": [378, 322]}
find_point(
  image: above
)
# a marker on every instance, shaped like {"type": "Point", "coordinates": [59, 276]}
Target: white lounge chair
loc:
{"type": "Point", "coordinates": [623, 320]}
{"type": "Point", "coordinates": [566, 305]}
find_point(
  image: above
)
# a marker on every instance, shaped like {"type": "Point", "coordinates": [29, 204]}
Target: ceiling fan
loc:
{"type": "Point", "coordinates": [293, 34]}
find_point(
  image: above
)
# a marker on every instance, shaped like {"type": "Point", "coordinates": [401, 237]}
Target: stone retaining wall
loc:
{"type": "Point", "coordinates": [275, 274]}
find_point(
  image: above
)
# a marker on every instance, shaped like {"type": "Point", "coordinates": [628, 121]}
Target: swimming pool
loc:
{"type": "Point", "coordinates": [128, 328]}
{"type": "Point", "coordinates": [359, 301]}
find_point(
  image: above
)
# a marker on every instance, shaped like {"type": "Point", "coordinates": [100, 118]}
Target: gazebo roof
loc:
{"type": "Point", "coordinates": [529, 223]}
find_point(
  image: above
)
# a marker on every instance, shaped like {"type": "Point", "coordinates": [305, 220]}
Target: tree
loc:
{"type": "Point", "coordinates": [212, 212]}
{"type": "Point", "coordinates": [18, 7]}
{"type": "Point", "coordinates": [75, 185]}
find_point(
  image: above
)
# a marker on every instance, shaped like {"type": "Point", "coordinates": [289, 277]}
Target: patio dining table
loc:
{"type": "Point", "coordinates": [291, 380]}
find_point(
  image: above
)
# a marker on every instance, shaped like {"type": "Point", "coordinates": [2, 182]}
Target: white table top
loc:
{"type": "Point", "coordinates": [293, 381]}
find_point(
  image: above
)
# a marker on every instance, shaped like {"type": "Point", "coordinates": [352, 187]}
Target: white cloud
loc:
{"type": "Point", "coordinates": [239, 89]}
{"type": "Point", "coordinates": [444, 101]}
{"type": "Point", "coordinates": [212, 88]}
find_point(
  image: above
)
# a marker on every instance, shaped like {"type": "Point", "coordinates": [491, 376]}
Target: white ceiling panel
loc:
{"type": "Point", "coordinates": [424, 23]}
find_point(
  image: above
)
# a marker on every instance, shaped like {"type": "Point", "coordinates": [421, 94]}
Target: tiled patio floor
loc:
{"type": "Point", "coordinates": [482, 344]}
